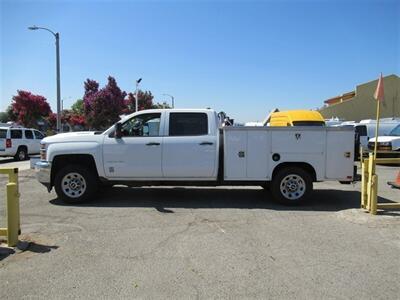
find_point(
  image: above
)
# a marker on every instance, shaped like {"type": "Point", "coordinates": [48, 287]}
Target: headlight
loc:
{"type": "Point", "coordinates": [43, 151]}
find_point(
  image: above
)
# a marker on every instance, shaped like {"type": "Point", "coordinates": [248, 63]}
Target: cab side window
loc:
{"type": "Point", "coordinates": [187, 124]}
{"type": "Point", "coordinates": [28, 134]}
{"type": "Point", "coordinates": [142, 125]}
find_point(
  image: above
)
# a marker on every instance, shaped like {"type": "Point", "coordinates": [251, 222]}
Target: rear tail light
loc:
{"type": "Point", "coordinates": [8, 143]}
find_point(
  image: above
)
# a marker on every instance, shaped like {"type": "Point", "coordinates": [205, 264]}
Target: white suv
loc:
{"type": "Point", "coordinates": [19, 142]}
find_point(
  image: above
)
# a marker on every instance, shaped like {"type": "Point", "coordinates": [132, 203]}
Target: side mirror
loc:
{"type": "Point", "coordinates": [118, 130]}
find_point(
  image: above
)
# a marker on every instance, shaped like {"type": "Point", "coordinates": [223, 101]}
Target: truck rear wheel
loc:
{"type": "Point", "coordinates": [75, 184]}
{"type": "Point", "coordinates": [291, 185]}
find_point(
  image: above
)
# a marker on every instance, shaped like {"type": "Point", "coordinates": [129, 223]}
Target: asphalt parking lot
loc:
{"type": "Point", "coordinates": [189, 243]}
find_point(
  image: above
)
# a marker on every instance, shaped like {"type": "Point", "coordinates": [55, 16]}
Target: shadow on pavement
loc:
{"type": "Point", "coordinates": [5, 252]}
{"type": "Point", "coordinates": [5, 161]}
{"type": "Point", "coordinates": [26, 246]}
{"type": "Point", "coordinates": [193, 197]}
{"type": "Point", "coordinates": [39, 248]}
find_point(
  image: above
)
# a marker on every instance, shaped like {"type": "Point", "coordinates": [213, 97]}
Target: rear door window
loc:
{"type": "Point", "coordinates": [28, 134]}
{"type": "Point", "coordinates": [186, 124]}
{"type": "Point", "coordinates": [3, 133]}
{"type": "Point", "coordinates": [38, 135]}
{"type": "Point", "coordinates": [16, 133]}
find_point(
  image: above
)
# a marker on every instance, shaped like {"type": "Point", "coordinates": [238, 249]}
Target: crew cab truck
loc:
{"type": "Point", "coordinates": [189, 147]}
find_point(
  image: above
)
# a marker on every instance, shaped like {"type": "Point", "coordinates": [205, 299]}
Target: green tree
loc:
{"type": "Point", "coordinates": [11, 115]}
{"type": "Point", "coordinates": [3, 117]}
{"type": "Point", "coordinates": [77, 108]}
{"type": "Point", "coordinates": [161, 105]}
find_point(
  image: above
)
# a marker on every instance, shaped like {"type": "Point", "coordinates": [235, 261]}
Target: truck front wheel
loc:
{"type": "Point", "coordinates": [75, 184]}
{"type": "Point", "coordinates": [291, 185]}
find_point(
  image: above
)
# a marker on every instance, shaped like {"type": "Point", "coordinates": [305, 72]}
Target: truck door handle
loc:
{"type": "Point", "coordinates": [153, 144]}
{"type": "Point", "coordinates": [206, 143]}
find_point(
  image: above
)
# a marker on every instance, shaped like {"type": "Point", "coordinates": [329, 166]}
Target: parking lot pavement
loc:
{"type": "Point", "coordinates": [7, 162]}
{"type": "Point", "coordinates": [185, 243]}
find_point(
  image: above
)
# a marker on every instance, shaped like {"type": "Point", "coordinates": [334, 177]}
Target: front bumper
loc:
{"type": "Point", "coordinates": [43, 173]}
{"type": "Point", "coordinates": [380, 147]}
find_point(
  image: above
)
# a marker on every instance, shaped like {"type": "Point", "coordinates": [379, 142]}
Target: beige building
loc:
{"type": "Point", "coordinates": [360, 104]}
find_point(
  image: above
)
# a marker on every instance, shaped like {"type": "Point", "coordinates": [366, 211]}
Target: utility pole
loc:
{"type": "Point", "coordinates": [137, 94]}
{"type": "Point", "coordinates": [57, 37]}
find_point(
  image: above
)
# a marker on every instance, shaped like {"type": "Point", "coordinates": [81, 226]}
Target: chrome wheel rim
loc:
{"type": "Point", "coordinates": [73, 185]}
{"type": "Point", "coordinates": [293, 187]}
{"type": "Point", "coordinates": [21, 155]}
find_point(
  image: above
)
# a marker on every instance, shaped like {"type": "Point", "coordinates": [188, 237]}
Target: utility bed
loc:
{"type": "Point", "coordinates": [252, 153]}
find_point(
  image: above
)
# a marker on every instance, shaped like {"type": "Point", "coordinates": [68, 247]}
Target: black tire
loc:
{"type": "Point", "coordinates": [291, 186]}
{"type": "Point", "coordinates": [22, 154]}
{"type": "Point", "coordinates": [75, 184]}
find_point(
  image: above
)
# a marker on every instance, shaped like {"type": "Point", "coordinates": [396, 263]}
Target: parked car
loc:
{"type": "Point", "coordinates": [367, 127]}
{"type": "Point", "coordinates": [389, 142]}
{"type": "Point", "coordinates": [19, 142]}
{"type": "Point", "coordinates": [190, 147]}
{"type": "Point", "coordinates": [365, 131]}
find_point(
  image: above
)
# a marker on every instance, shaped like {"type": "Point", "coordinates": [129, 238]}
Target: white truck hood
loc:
{"type": "Point", "coordinates": [386, 138]}
{"type": "Point", "coordinates": [78, 136]}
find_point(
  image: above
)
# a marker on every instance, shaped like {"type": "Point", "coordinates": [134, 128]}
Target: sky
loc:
{"type": "Point", "coordinates": [243, 57]}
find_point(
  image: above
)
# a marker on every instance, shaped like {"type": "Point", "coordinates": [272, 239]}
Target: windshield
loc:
{"type": "Point", "coordinates": [395, 131]}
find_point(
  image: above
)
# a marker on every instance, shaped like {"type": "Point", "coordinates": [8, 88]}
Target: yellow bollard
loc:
{"type": "Point", "coordinates": [364, 182]}
{"type": "Point", "coordinates": [369, 184]}
{"type": "Point", "coordinates": [12, 214]}
{"type": "Point", "coordinates": [374, 194]}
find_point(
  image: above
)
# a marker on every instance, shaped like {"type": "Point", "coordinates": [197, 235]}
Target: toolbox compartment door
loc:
{"type": "Point", "coordinates": [340, 154]}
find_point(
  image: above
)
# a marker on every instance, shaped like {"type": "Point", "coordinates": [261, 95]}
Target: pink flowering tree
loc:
{"type": "Point", "coordinates": [29, 108]}
{"type": "Point", "coordinates": [102, 107]}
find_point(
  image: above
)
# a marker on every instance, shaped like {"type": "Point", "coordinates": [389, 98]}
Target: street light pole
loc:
{"type": "Point", "coordinates": [57, 37]}
{"type": "Point", "coordinates": [59, 127]}
{"type": "Point", "coordinates": [136, 94]}
{"type": "Point", "coordinates": [172, 99]}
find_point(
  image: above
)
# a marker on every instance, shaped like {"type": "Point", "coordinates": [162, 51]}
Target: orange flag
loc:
{"type": "Point", "coordinates": [379, 93]}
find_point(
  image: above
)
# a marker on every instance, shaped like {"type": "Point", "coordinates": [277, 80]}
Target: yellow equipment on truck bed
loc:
{"type": "Point", "coordinates": [296, 118]}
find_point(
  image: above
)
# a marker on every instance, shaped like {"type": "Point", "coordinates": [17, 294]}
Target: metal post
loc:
{"type": "Point", "coordinates": [376, 128]}
{"type": "Point", "coordinates": [136, 94]}
{"type": "Point", "coordinates": [172, 99]}
{"type": "Point", "coordinates": [57, 36]}
{"type": "Point", "coordinates": [59, 127]}
{"type": "Point", "coordinates": [136, 97]}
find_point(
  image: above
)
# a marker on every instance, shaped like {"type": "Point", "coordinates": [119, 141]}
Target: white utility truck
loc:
{"type": "Point", "coordinates": [181, 147]}
{"type": "Point", "coordinates": [389, 142]}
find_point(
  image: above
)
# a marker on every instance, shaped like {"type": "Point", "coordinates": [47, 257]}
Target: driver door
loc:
{"type": "Point", "coordinates": [137, 154]}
